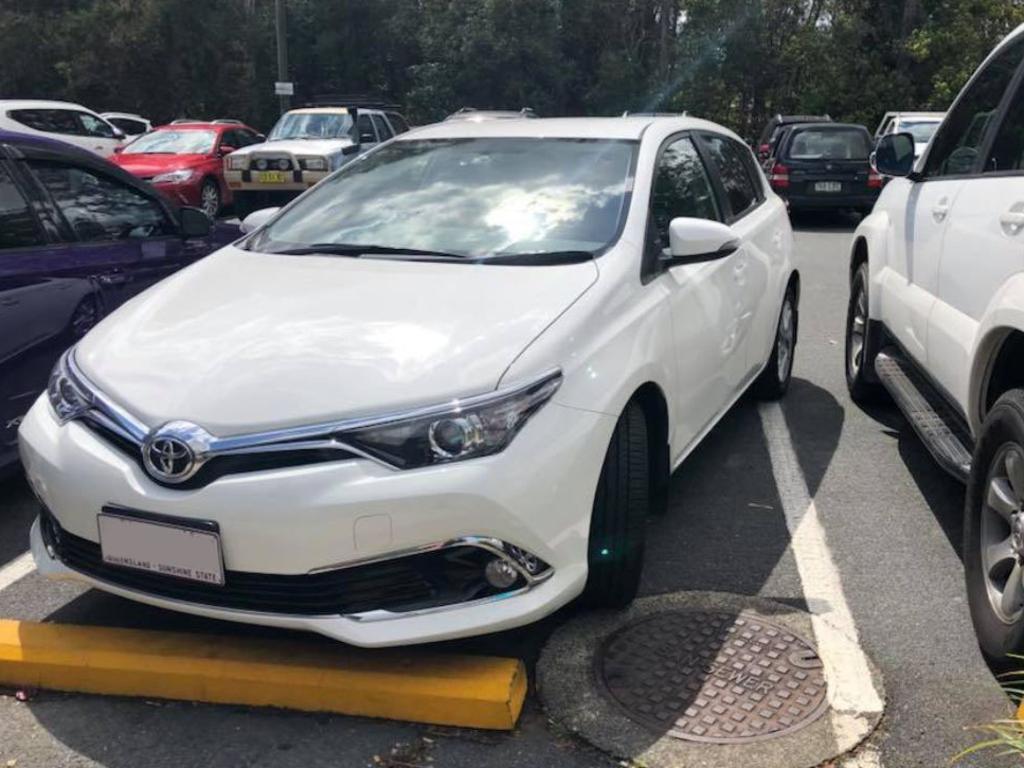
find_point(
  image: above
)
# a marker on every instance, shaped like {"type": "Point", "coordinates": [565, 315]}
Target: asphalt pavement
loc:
{"type": "Point", "coordinates": [890, 519]}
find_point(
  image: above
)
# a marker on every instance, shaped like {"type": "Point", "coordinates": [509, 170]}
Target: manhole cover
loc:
{"type": "Point", "coordinates": [713, 677]}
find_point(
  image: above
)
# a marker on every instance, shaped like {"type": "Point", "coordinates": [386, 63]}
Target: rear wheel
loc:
{"type": "Point", "coordinates": [617, 524]}
{"type": "Point", "coordinates": [859, 357]}
{"type": "Point", "coordinates": [994, 530]}
{"type": "Point", "coordinates": [774, 379]}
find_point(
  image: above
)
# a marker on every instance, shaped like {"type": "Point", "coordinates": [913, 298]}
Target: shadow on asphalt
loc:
{"type": "Point", "coordinates": [824, 221]}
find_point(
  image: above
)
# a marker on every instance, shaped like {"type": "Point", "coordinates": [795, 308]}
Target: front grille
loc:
{"type": "Point", "coordinates": [425, 580]}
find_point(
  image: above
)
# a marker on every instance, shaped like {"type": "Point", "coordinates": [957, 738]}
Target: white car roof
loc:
{"type": "Point", "coordinates": [40, 104]}
{"type": "Point", "coordinates": [128, 115]}
{"type": "Point", "coordinates": [560, 128]}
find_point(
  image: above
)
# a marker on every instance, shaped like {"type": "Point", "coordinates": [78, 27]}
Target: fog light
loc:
{"type": "Point", "coordinates": [500, 574]}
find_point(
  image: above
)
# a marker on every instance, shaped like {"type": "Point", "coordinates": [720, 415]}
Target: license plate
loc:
{"type": "Point", "coordinates": [271, 177]}
{"type": "Point", "coordinates": [828, 186]}
{"type": "Point", "coordinates": [164, 548]}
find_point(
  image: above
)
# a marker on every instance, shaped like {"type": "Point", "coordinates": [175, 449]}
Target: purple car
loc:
{"type": "Point", "coordinates": [78, 237]}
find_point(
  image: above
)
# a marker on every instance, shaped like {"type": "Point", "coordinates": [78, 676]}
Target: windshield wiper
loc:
{"type": "Point", "coordinates": [355, 250]}
{"type": "Point", "coordinates": [539, 258]}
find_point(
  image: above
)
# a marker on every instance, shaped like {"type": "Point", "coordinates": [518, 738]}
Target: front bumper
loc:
{"type": "Point", "coordinates": [537, 495]}
{"type": "Point", "coordinates": [830, 201]}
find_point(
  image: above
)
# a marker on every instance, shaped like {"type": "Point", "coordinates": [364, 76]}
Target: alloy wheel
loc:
{"type": "Point", "coordinates": [210, 200]}
{"type": "Point", "coordinates": [1002, 533]}
{"type": "Point", "coordinates": [787, 334]}
{"type": "Point", "coordinates": [858, 324]}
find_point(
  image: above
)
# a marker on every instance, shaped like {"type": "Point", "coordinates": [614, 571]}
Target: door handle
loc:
{"type": "Point", "coordinates": [940, 211]}
{"type": "Point", "coordinates": [1012, 221]}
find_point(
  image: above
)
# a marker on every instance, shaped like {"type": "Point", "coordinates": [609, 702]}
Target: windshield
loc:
{"type": "Point", "coordinates": [473, 198]}
{"type": "Point", "coordinates": [921, 131]}
{"type": "Point", "coordinates": [173, 143]}
{"type": "Point", "coordinates": [311, 125]}
{"type": "Point", "coordinates": [830, 144]}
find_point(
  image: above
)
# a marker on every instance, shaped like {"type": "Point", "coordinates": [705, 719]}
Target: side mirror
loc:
{"type": "Point", "coordinates": [350, 149]}
{"type": "Point", "coordinates": [226, 149]}
{"type": "Point", "coordinates": [260, 138]}
{"type": "Point", "coordinates": [693, 241]}
{"type": "Point", "coordinates": [118, 149]}
{"type": "Point", "coordinates": [118, 133]}
{"type": "Point", "coordinates": [257, 219]}
{"type": "Point", "coordinates": [194, 223]}
{"type": "Point", "coordinates": [894, 155]}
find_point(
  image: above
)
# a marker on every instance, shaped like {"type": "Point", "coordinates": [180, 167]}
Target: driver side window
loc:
{"type": "Point", "coordinates": [99, 208]}
{"type": "Point", "coordinates": [681, 188]}
{"type": "Point", "coordinates": [955, 148]}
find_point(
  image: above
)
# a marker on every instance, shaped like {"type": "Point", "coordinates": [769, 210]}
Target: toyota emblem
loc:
{"type": "Point", "coordinates": [168, 459]}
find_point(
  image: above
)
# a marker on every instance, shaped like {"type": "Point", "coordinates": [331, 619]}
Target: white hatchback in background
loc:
{"type": "Point", "coordinates": [434, 397]}
{"type": "Point", "coordinates": [61, 120]}
{"type": "Point", "coordinates": [920, 125]}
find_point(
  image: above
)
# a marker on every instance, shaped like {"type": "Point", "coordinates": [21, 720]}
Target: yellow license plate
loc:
{"type": "Point", "coordinates": [272, 177]}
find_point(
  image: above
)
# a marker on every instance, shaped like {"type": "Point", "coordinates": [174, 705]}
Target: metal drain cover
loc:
{"type": "Point", "coordinates": [717, 677]}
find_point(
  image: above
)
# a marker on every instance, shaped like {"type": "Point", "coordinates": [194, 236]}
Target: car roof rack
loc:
{"type": "Point", "coordinates": [358, 101]}
{"type": "Point", "coordinates": [227, 121]}
{"type": "Point", "coordinates": [182, 120]}
{"type": "Point", "coordinates": [627, 113]}
{"type": "Point", "coordinates": [525, 111]}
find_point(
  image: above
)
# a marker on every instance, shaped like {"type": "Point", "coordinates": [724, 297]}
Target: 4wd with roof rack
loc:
{"type": "Point", "coordinates": [305, 146]}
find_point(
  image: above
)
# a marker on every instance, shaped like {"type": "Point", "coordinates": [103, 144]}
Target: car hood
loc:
{"type": "Point", "coordinates": [149, 165]}
{"type": "Point", "coordinates": [245, 341]}
{"type": "Point", "coordinates": [297, 147]}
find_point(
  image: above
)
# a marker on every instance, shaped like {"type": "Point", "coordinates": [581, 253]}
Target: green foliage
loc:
{"type": "Point", "coordinates": [734, 61]}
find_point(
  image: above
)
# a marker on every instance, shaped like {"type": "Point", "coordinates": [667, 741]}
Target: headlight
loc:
{"type": "Point", "coordinates": [67, 396]}
{"type": "Point", "coordinates": [313, 163]}
{"type": "Point", "coordinates": [173, 177]}
{"type": "Point", "coordinates": [237, 162]}
{"type": "Point", "coordinates": [476, 427]}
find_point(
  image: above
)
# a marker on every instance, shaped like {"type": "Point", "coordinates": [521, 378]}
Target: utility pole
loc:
{"type": "Point", "coordinates": [280, 23]}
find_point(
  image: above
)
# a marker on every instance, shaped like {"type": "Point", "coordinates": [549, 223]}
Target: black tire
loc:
{"type": "Point", "coordinates": [85, 317]}
{"type": "Point", "coordinates": [209, 198]}
{"type": "Point", "coordinates": [774, 379]}
{"type": "Point", "coordinates": [1000, 631]}
{"type": "Point", "coordinates": [615, 552]}
{"type": "Point", "coordinates": [858, 362]}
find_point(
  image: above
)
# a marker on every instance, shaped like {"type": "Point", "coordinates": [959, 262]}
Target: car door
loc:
{"type": "Point", "coordinates": [48, 300]}
{"type": "Point", "coordinates": [383, 129]}
{"type": "Point", "coordinates": [367, 134]}
{"type": "Point", "coordinates": [101, 137]}
{"type": "Point", "coordinates": [702, 298]}
{"type": "Point", "coordinates": [127, 236]}
{"type": "Point", "coordinates": [983, 246]}
{"type": "Point", "coordinates": [760, 227]}
{"type": "Point", "coordinates": [910, 284]}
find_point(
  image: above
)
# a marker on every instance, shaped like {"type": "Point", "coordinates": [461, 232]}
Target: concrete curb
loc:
{"type": "Point", "coordinates": [443, 689]}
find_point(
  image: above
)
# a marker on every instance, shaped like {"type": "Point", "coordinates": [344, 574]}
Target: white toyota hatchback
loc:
{"type": "Point", "coordinates": [433, 397]}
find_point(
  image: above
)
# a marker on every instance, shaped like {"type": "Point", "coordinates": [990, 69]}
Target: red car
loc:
{"type": "Point", "coordinates": [184, 161]}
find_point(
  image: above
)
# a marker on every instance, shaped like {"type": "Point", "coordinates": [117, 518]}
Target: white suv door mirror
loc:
{"type": "Point", "coordinates": [894, 154]}
{"type": "Point", "coordinates": [257, 219]}
{"type": "Point", "coordinates": [692, 241]}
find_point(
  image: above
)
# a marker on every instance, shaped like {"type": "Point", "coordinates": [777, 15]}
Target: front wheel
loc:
{"type": "Point", "coordinates": [774, 379]}
{"type": "Point", "coordinates": [209, 198]}
{"type": "Point", "coordinates": [615, 552]}
{"type": "Point", "coordinates": [859, 358]}
{"type": "Point", "coordinates": [994, 530]}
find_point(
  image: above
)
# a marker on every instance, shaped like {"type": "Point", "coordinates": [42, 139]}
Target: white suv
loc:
{"type": "Point", "coordinates": [71, 123]}
{"type": "Point", "coordinates": [435, 396]}
{"type": "Point", "coordinates": [304, 146]}
{"type": "Point", "coordinates": [936, 316]}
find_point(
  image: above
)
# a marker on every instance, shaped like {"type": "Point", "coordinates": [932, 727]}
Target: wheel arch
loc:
{"type": "Point", "coordinates": [998, 367]}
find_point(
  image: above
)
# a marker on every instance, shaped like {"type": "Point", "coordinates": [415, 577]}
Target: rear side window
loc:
{"type": "Point", "coordinates": [830, 144]}
{"type": "Point", "coordinates": [48, 120]}
{"type": "Point", "coordinates": [18, 228]}
{"type": "Point", "coordinates": [397, 122]}
{"type": "Point", "coordinates": [730, 160]}
{"type": "Point", "coordinates": [365, 127]}
{"type": "Point", "coordinates": [956, 146]}
{"type": "Point", "coordinates": [382, 127]}
{"type": "Point", "coordinates": [98, 207]}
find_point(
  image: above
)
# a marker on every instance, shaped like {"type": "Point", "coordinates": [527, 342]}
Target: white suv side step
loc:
{"type": "Point", "coordinates": [939, 427]}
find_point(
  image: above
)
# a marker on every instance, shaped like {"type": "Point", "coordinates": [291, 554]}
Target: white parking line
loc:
{"type": "Point", "coordinates": [20, 566]}
{"type": "Point", "coordinates": [853, 692]}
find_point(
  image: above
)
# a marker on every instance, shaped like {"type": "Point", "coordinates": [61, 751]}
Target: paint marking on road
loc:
{"type": "Point", "coordinates": [854, 691]}
{"type": "Point", "coordinates": [19, 567]}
